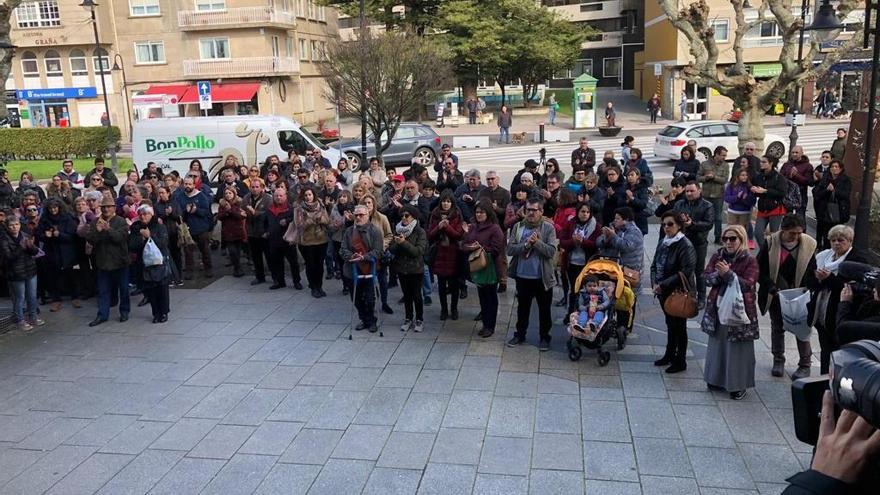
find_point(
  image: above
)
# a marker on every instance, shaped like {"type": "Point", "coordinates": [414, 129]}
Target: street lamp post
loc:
{"type": "Point", "coordinates": [363, 23]}
{"type": "Point", "coordinates": [111, 146]}
{"type": "Point", "coordinates": [795, 103]}
{"type": "Point", "coordinates": [119, 65]}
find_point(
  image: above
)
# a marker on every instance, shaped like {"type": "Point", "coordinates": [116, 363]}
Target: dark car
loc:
{"type": "Point", "coordinates": [410, 141]}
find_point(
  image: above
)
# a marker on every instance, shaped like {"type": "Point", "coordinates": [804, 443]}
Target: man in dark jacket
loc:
{"type": "Point", "coordinates": [195, 208]}
{"type": "Point", "coordinates": [799, 170]}
{"type": "Point", "coordinates": [230, 181]}
{"type": "Point", "coordinates": [699, 217]}
{"type": "Point", "coordinates": [583, 156]}
{"type": "Point", "coordinates": [7, 192]}
{"type": "Point", "coordinates": [445, 153]}
{"type": "Point", "coordinates": [839, 146]}
{"type": "Point", "coordinates": [754, 161]}
{"type": "Point", "coordinates": [466, 195]}
{"type": "Point", "coordinates": [362, 246]}
{"type": "Point", "coordinates": [531, 166]}
{"type": "Point", "coordinates": [254, 205]}
{"type": "Point", "coordinates": [108, 235]}
{"type": "Point", "coordinates": [109, 177]}
{"type": "Point", "coordinates": [496, 195]}
{"type": "Point", "coordinates": [449, 177]}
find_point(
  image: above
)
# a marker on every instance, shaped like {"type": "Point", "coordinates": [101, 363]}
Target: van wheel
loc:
{"type": "Point", "coordinates": [776, 150]}
{"type": "Point", "coordinates": [425, 156]}
{"type": "Point", "coordinates": [706, 152]}
{"type": "Point", "coordinates": [354, 160]}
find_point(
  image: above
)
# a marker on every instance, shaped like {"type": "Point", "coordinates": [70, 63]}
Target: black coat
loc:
{"type": "Point", "coordinates": [776, 186]}
{"type": "Point", "coordinates": [61, 250]}
{"type": "Point", "coordinates": [680, 257]}
{"type": "Point", "coordinates": [822, 197]}
{"type": "Point", "coordinates": [7, 194]}
{"type": "Point", "coordinates": [136, 242]}
{"type": "Point", "coordinates": [276, 226]}
{"type": "Point", "coordinates": [18, 262]}
{"type": "Point", "coordinates": [702, 215]}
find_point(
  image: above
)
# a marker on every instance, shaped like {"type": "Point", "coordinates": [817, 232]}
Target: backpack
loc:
{"type": "Point", "coordinates": [792, 200]}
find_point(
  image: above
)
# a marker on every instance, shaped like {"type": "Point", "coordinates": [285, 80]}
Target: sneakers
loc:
{"type": "Point", "coordinates": [778, 368]}
{"type": "Point", "coordinates": [738, 395]}
{"type": "Point", "coordinates": [37, 322]}
{"type": "Point", "coordinates": [419, 326]}
{"type": "Point", "coordinates": [515, 341]}
{"type": "Point", "coordinates": [801, 372]}
{"type": "Point", "coordinates": [544, 345]}
{"type": "Point", "coordinates": [25, 326]}
{"type": "Point", "coordinates": [407, 326]}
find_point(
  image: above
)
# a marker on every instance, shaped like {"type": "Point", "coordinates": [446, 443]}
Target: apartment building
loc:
{"type": "Point", "coordinates": [658, 68]}
{"type": "Point", "coordinates": [261, 56]}
{"type": "Point", "coordinates": [609, 55]}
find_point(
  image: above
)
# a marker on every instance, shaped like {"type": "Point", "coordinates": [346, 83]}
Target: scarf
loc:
{"type": "Point", "coordinates": [406, 230]}
{"type": "Point", "coordinates": [668, 241]}
{"type": "Point", "coordinates": [585, 229]}
{"type": "Point", "coordinates": [277, 209]}
{"type": "Point", "coordinates": [826, 260]}
{"type": "Point", "coordinates": [309, 207]}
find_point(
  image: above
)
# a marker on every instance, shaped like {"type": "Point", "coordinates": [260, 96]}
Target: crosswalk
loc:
{"type": "Point", "coordinates": [508, 159]}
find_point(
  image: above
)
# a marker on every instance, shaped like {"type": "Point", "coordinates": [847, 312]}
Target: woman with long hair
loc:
{"type": "Point", "coordinates": [625, 147]}
{"type": "Point", "coordinates": [57, 232]}
{"type": "Point", "coordinates": [485, 233]}
{"type": "Point", "coordinates": [730, 356]}
{"type": "Point", "coordinates": [516, 209]}
{"type": "Point", "coordinates": [444, 232]}
{"type": "Point", "coordinates": [341, 218]}
{"type": "Point", "coordinates": [232, 228]}
{"type": "Point", "coordinates": [740, 199]}
{"type": "Point", "coordinates": [310, 217]}
{"type": "Point", "coordinates": [615, 193]}
{"type": "Point", "coordinates": [381, 222]}
{"type": "Point", "coordinates": [578, 239]}
{"type": "Point", "coordinates": [769, 186]}
{"type": "Point", "coordinates": [168, 212]}
{"type": "Point", "coordinates": [675, 258]}
{"type": "Point", "coordinates": [687, 166]}
{"type": "Point", "coordinates": [637, 198]}
{"type": "Point", "coordinates": [551, 168]}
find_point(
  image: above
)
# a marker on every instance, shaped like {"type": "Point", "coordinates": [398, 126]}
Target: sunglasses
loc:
{"type": "Point", "coordinates": [97, 180]}
{"type": "Point", "coordinates": [730, 239]}
{"type": "Point", "coordinates": [31, 209]}
{"type": "Point", "coordinates": [669, 224]}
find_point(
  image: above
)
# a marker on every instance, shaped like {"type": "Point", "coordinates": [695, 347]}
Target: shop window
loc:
{"type": "Point", "coordinates": [144, 7]}
{"type": "Point", "coordinates": [38, 14]}
{"type": "Point", "coordinates": [29, 65]}
{"type": "Point", "coordinates": [78, 64]}
{"type": "Point", "coordinates": [52, 61]}
{"type": "Point", "coordinates": [149, 52]}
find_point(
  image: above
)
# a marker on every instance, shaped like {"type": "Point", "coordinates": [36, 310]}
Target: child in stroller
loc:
{"type": "Point", "coordinates": [593, 303]}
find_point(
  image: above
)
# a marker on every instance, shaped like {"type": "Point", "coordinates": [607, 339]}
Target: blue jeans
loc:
{"type": "Point", "coordinates": [330, 258]}
{"type": "Point", "coordinates": [426, 283]}
{"type": "Point", "coordinates": [552, 116]}
{"type": "Point", "coordinates": [24, 292]}
{"type": "Point", "coordinates": [504, 135]}
{"type": "Point", "coordinates": [113, 284]}
{"type": "Point", "coordinates": [718, 206]}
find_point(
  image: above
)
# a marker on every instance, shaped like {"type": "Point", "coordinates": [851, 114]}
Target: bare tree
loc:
{"type": "Point", "coordinates": [390, 72]}
{"type": "Point", "coordinates": [753, 97]}
{"type": "Point", "coordinates": [6, 9]}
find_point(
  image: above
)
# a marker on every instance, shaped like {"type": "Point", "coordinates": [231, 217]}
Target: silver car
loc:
{"type": "Point", "coordinates": [411, 140]}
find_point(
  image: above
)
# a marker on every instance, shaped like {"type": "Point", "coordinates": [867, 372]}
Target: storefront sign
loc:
{"type": "Point", "coordinates": [56, 93]}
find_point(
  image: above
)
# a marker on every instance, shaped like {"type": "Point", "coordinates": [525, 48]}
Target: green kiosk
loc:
{"type": "Point", "coordinates": [584, 104]}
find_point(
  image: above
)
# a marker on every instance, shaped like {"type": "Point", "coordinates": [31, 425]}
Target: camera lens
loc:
{"type": "Point", "coordinates": [856, 379]}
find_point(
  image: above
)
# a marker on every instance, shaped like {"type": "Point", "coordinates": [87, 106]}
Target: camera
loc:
{"type": "Point", "coordinates": [861, 277]}
{"type": "Point", "coordinates": [855, 385]}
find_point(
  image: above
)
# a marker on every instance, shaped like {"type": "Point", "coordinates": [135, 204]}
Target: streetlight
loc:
{"type": "Point", "coordinates": [111, 146]}
{"type": "Point", "coordinates": [119, 65]}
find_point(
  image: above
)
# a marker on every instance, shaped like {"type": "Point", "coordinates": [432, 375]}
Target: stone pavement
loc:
{"type": "Point", "coordinates": [251, 391]}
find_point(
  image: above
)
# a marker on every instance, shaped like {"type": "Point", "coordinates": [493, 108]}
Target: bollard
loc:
{"type": "Point", "coordinates": [541, 132]}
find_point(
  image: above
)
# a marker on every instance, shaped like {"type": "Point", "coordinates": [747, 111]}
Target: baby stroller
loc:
{"type": "Point", "coordinates": [611, 278]}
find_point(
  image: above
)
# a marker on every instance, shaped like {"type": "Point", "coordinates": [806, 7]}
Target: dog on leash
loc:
{"type": "Point", "coordinates": [518, 137]}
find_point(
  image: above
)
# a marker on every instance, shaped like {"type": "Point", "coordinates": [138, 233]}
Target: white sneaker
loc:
{"type": "Point", "coordinates": [407, 326]}
{"type": "Point", "coordinates": [25, 326]}
{"type": "Point", "coordinates": [37, 322]}
{"type": "Point", "coordinates": [419, 326]}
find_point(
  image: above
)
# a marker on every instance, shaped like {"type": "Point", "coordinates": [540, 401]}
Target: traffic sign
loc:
{"type": "Point", "coordinates": [205, 102]}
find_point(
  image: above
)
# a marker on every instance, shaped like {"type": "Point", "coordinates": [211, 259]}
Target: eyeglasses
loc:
{"type": "Point", "coordinates": [97, 179]}
{"type": "Point", "coordinates": [730, 239]}
{"type": "Point", "coordinates": [669, 224]}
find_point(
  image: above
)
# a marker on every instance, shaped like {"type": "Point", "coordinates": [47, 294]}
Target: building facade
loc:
{"type": "Point", "coordinates": [260, 56]}
{"type": "Point", "coordinates": [609, 56]}
{"type": "Point", "coordinates": [658, 68]}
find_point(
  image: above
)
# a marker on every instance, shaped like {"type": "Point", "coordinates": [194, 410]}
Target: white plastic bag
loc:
{"type": "Point", "coordinates": [152, 256]}
{"type": "Point", "coordinates": [731, 306]}
{"type": "Point", "coordinates": [793, 303]}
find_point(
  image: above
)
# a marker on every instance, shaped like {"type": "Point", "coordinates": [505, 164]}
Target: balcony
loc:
{"type": "Point", "coordinates": [241, 67]}
{"type": "Point", "coordinates": [244, 17]}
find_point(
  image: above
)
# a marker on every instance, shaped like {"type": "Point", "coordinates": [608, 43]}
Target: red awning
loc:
{"type": "Point", "coordinates": [224, 93]}
{"type": "Point", "coordinates": [177, 90]}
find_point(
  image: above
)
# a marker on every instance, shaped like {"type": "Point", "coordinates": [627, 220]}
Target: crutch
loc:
{"type": "Point", "coordinates": [355, 278]}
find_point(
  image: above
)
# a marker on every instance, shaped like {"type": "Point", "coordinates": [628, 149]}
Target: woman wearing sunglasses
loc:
{"type": "Point", "coordinates": [675, 257]}
{"type": "Point", "coordinates": [730, 356]}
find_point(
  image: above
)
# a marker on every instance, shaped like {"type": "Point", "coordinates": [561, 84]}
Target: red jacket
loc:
{"type": "Point", "coordinates": [445, 263]}
{"type": "Point", "coordinates": [232, 220]}
{"type": "Point", "coordinates": [562, 217]}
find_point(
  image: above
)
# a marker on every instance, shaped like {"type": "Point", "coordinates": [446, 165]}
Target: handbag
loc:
{"type": "Point", "coordinates": [681, 303]}
{"type": "Point", "coordinates": [832, 212]}
{"type": "Point", "coordinates": [184, 237]}
{"type": "Point", "coordinates": [632, 276]}
{"type": "Point", "coordinates": [292, 235]}
{"type": "Point", "coordinates": [486, 276]}
{"type": "Point", "coordinates": [157, 273]}
{"type": "Point", "coordinates": [477, 260]}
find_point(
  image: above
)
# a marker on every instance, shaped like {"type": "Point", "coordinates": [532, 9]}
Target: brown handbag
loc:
{"type": "Point", "coordinates": [681, 303]}
{"type": "Point", "coordinates": [477, 260]}
{"type": "Point", "coordinates": [632, 276]}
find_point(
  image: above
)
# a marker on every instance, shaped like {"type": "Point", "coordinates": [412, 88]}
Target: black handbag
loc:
{"type": "Point", "coordinates": [157, 273]}
{"type": "Point", "coordinates": [832, 212]}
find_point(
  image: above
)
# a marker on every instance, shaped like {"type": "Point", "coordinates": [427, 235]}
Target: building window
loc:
{"type": "Point", "coordinates": [767, 34]}
{"type": "Point", "coordinates": [582, 66]}
{"type": "Point", "coordinates": [214, 48]}
{"type": "Point", "coordinates": [208, 5]}
{"type": "Point", "coordinates": [100, 61]}
{"type": "Point", "coordinates": [143, 7]}
{"type": "Point", "coordinates": [316, 51]}
{"type": "Point", "coordinates": [38, 14]}
{"type": "Point", "coordinates": [303, 50]}
{"type": "Point", "coordinates": [611, 67]}
{"type": "Point", "coordinates": [29, 65]}
{"type": "Point", "coordinates": [53, 64]}
{"type": "Point", "coordinates": [324, 51]}
{"type": "Point", "coordinates": [289, 47]}
{"type": "Point", "coordinates": [722, 30]}
{"type": "Point", "coordinates": [149, 52]}
{"type": "Point", "coordinates": [78, 64]}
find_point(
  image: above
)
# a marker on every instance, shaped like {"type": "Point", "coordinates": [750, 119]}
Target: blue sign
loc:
{"type": "Point", "coordinates": [204, 88]}
{"type": "Point", "coordinates": [56, 93]}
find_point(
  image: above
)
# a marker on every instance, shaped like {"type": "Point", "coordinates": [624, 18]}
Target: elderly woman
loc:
{"type": "Point", "coordinates": [408, 245]}
{"type": "Point", "coordinates": [156, 277]}
{"type": "Point", "coordinates": [730, 357]}
{"type": "Point", "coordinates": [623, 240]}
{"type": "Point", "coordinates": [675, 256]}
{"type": "Point", "coordinates": [825, 293]}
{"type": "Point", "coordinates": [831, 198]}
{"type": "Point", "coordinates": [486, 233]}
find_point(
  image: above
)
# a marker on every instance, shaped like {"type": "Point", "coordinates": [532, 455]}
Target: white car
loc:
{"type": "Point", "coordinates": [709, 134]}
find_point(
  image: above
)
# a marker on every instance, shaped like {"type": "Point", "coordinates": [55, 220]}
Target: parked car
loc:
{"type": "Point", "coordinates": [411, 140]}
{"type": "Point", "coordinates": [709, 134]}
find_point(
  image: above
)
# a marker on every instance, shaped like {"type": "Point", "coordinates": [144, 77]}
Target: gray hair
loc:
{"type": "Point", "coordinates": [473, 173]}
{"type": "Point", "coordinates": [362, 208]}
{"type": "Point", "coordinates": [145, 209]}
{"type": "Point", "coordinates": [491, 173]}
{"type": "Point", "coordinates": [844, 231]}
{"type": "Point", "coordinates": [96, 195]}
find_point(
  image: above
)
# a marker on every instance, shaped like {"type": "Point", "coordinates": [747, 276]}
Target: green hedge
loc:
{"type": "Point", "coordinates": [56, 142]}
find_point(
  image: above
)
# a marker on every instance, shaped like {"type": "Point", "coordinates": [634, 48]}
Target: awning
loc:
{"type": "Point", "coordinates": [224, 93]}
{"type": "Point", "coordinates": [765, 70]}
{"type": "Point", "coordinates": [176, 90]}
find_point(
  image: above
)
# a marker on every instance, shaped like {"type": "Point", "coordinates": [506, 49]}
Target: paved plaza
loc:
{"type": "Point", "coordinates": [247, 390]}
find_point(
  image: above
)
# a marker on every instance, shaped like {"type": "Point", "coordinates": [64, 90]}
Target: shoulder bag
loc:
{"type": "Point", "coordinates": [682, 303]}
{"type": "Point", "coordinates": [477, 260]}
{"type": "Point", "coordinates": [293, 234]}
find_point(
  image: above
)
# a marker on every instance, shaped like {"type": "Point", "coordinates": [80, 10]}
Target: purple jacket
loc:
{"type": "Point", "coordinates": [739, 198]}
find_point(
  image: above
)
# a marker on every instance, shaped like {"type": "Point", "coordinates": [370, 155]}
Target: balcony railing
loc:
{"type": "Point", "coordinates": [241, 67]}
{"type": "Point", "coordinates": [243, 17]}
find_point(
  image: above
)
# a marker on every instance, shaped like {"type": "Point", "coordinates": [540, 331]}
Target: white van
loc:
{"type": "Point", "coordinates": [173, 142]}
